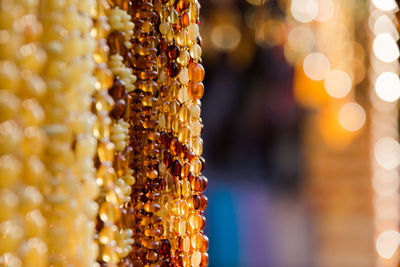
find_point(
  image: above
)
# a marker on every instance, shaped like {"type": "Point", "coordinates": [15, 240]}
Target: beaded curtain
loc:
{"type": "Point", "coordinates": [100, 133]}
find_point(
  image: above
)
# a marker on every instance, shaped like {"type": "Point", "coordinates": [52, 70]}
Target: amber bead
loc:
{"type": "Point", "coordinates": [116, 42]}
{"type": "Point", "coordinates": [204, 260]}
{"type": "Point", "coordinates": [184, 20]}
{"type": "Point", "coordinates": [204, 246]}
{"type": "Point", "coordinates": [196, 202]}
{"type": "Point", "coordinates": [176, 147]}
{"type": "Point", "coordinates": [165, 248]}
{"type": "Point", "coordinates": [173, 51]}
{"type": "Point", "coordinates": [173, 69]}
{"type": "Point", "coordinates": [176, 168]}
{"type": "Point", "coordinates": [196, 72]}
{"type": "Point", "coordinates": [195, 90]}
{"type": "Point", "coordinates": [119, 109]}
{"type": "Point", "coordinates": [203, 203]}
{"type": "Point", "coordinates": [182, 5]}
{"type": "Point", "coordinates": [117, 91]}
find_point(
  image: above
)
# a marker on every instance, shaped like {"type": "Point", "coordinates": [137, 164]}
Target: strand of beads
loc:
{"type": "Point", "coordinates": [22, 175]}
{"type": "Point", "coordinates": [115, 179]}
{"type": "Point", "coordinates": [195, 90]}
{"type": "Point", "coordinates": [144, 136]}
{"type": "Point", "coordinates": [69, 198]}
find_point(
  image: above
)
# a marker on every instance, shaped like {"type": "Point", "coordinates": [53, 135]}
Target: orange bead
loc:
{"type": "Point", "coordinates": [195, 90]}
{"type": "Point", "coordinates": [196, 72]}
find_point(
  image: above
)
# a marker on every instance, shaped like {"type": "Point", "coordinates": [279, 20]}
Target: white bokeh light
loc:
{"type": "Point", "coordinates": [316, 66]}
{"type": "Point", "coordinates": [385, 48]}
{"type": "Point", "coordinates": [387, 86]}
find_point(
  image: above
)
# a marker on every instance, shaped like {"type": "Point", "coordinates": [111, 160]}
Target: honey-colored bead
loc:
{"type": "Point", "coordinates": [184, 76]}
{"type": "Point", "coordinates": [195, 110]}
{"type": "Point", "coordinates": [183, 133]}
{"type": "Point", "coordinates": [196, 72]}
{"type": "Point", "coordinates": [196, 241]}
{"type": "Point", "coordinates": [196, 259]}
{"type": "Point", "coordinates": [195, 90]}
{"type": "Point", "coordinates": [183, 58]}
{"type": "Point", "coordinates": [182, 38]}
{"type": "Point", "coordinates": [195, 51]}
{"type": "Point", "coordinates": [193, 32]}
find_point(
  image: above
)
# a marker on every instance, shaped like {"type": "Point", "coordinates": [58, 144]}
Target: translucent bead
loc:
{"type": "Point", "coordinates": [11, 235]}
{"type": "Point", "coordinates": [183, 96]}
{"type": "Point", "coordinates": [186, 244]}
{"type": "Point", "coordinates": [186, 189]}
{"type": "Point", "coordinates": [197, 144]}
{"type": "Point", "coordinates": [195, 51]}
{"type": "Point", "coordinates": [195, 90]}
{"type": "Point", "coordinates": [165, 28]}
{"type": "Point", "coordinates": [108, 212]}
{"type": "Point", "coordinates": [196, 72]}
{"type": "Point", "coordinates": [204, 246]}
{"type": "Point", "coordinates": [183, 133]}
{"type": "Point", "coordinates": [194, 12]}
{"type": "Point", "coordinates": [184, 76]}
{"type": "Point", "coordinates": [196, 241]}
{"type": "Point", "coordinates": [196, 259]}
{"type": "Point", "coordinates": [195, 110]}
{"type": "Point", "coordinates": [182, 38]}
{"type": "Point", "coordinates": [35, 224]}
{"type": "Point", "coordinates": [195, 128]}
{"type": "Point", "coordinates": [105, 151]}
{"type": "Point", "coordinates": [173, 16]}
{"type": "Point", "coordinates": [193, 32]}
{"type": "Point", "coordinates": [183, 58]}
{"type": "Point", "coordinates": [195, 221]}
{"type": "Point", "coordinates": [184, 114]}
{"type": "Point", "coordinates": [107, 234]}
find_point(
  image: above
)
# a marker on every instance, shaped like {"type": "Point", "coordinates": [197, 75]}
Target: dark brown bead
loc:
{"type": "Point", "coordinates": [176, 168]}
{"type": "Point", "coordinates": [196, 201]}
{"type": "Point", "coordinates": [190, 176]}
{"type": "Point", "coordinates": [119, 109]}
{"type": "Point", "coordinates": [173, 69]}
{"type": "Point", "coordinates": [166, 262]}
{"type": "Point", "coordinates": [165, 248]}
{"type": "Point", "coordinates": [117, 90]}
{"type": "Point", "coordinates": [116, 43]}
{"type": "Point", "coordinates": [163, 45]}
{"type": "Point", "coordinates": [168, 160]}
{"type": "Point", "coordinates": [163, 91]}
{"type": "Point", "coordinates": [185, 152]}
{"type": "Point", "coordinates": [173, 51]}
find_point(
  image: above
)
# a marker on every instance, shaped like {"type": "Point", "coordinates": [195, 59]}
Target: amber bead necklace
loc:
{"type": "Point", "coordinates": [100, 159]}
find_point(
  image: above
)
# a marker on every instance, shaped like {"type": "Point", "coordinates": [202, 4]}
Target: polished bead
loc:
{"type": "Point", "coordinates": [196, 72]}
{"type": "Point", "coordinates": [195, 90]}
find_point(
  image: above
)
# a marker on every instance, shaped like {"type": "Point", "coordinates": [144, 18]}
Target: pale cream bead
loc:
{"type": "Point", "coordinates": [184, 76]}
{"type": "Point", "coordinates": [193, 32]}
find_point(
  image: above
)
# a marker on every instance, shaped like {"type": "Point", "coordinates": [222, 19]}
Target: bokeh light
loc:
{"type": "Point", "coordinates": [316, 66]}
{"type": "Point", "coordinates": [326, 9]}
{"type": "Point", "coordinates": [304, 10]}
{"type": "Point", "coordinates": [225, 37]}
{"type": "Point", "coordinates": [384, 24]}
{"type": "Point", "coordinates": [385, 48]}
{"type": "Point", "coordinates": [337, 83]}
{"type": "Point", "coordinates": [387, 86]}
{"type": "Point", "coordinates": [352, 116]}
{"type": "Point", "coordinates": [385, 5]}
{"type": "Point", "coordinates": [387, 243]}
{"type": "Point", "coordinates": [387, 153]}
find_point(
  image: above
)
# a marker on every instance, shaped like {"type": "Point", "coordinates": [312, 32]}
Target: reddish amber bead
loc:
{"type": "Point", "coordinates": [203, 183]}
{"type": "Point", "coordinates": [204, 260]}
{"type": "Point", "coordinates": [203, 203]}
{"type": "Point", "coordinates": [196, 72]}
{"type": "Point", "coordinates": [185, 170]}
{"type": "Point", "coordinates": [173, 69]}
{"type": "Point", "coordinates": [195, 90]}
{"type": "Point", "coordinates": [204, 246]}
{"type": "Point", "coordinates": [119, 109]}
{"type": "Point", "coordinates": [165, 248]}
{"type": "Point", "coordinates": [185, 152]}
{"type": "Point", "coordinates": [176, 168]}
{"type": "Point", "coordinates": [122, 4]}
{"type": "Point", "coordinates": [182, 5]}
{"type": "Point", "coordinates": [196, 201]}
{"type": "Point", "coordinates": [196, 184]}
{"type": "Point", "coordinates": [175, 147]}
{"type": "Point", "coordinates": [117, 91]}
{"type": "Point", "coordinates": [163, 45]}
{"type": "Point", "coordinates": [184, 20]}
{"type": "Point", "coordinates": [173, 51]}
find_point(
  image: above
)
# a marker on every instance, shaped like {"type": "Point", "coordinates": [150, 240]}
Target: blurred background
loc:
{"type": "Point", "coordinates": [301, 132]}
